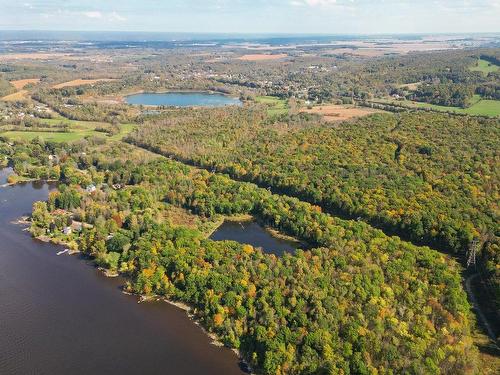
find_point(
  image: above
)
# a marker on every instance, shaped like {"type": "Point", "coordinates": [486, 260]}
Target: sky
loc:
{"type": "Point", "coordinates": [254, 16]}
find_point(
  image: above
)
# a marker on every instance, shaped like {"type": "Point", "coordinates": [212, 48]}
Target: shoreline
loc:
{"type": "Point", "coordinates": [27, 180]}
{"type": "Point", "coordinates": [247, 218]}
{"type": "Point", "coordinates": [122, 96]}
{"type": "Point", "coordinates": [215, 340]}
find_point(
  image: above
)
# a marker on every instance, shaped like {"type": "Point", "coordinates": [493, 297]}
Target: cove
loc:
{"type": "Point", "coordinates": [60, 315]}
{"type": "Point", "coordinates": [182, 99]}
{"type": "Point", "coordinates": [251, 233]}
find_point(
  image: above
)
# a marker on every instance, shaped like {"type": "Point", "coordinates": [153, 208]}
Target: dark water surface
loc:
{"type": "Point", "coordinates": [250, 232]}
{"type": "Point", "coordinates": [59, 315]}
{"type": "Point", "coordinates": [182, 99]}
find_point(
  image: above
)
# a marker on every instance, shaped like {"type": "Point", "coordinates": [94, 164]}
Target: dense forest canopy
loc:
{"type": "Point", "coordinates": [432, 177]}
{"type": "Point", "coordinates": [344, 306]}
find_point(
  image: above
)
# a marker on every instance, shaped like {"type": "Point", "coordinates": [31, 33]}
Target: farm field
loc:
{"type": "Point", "coordinates": [80, 82]}
{"type": "Point", "coordinates": [262, 57]}
{"type": "Point", "coordinates": [17, 96]}
{"type": "Point", "coordinates": [332, 112]}
{"type": "Point", "coordinates": [410, 86]}
{"type": "Point", "coordinates": [482, 107]}
{"type": "Point", "coordinates": [32, 56]}
{"type": "Point", "coordinates": [22, 83]}
{"type": "Point", "coordinates": [19, 85]}
{"type": "Point", "coordinates": [485, 67]}
{"type": "Point", "coordinates": [276, 106]}
{"type": "Point", "coordinates": [77, 130]}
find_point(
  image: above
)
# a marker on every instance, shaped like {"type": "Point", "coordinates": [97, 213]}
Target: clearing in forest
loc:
{"type": "Point", "coordinates": [485, 67]}
{"type": "Point", "coordinates": [410, 86]}
{"type": "Point", "coordinates": [80, 82]}
{"type": "Point", "coordinates": [275, 105]}
{"type": "Point", "coordinates": [479, 107]}
{"type": "Point", "coordinates": [332, 112]}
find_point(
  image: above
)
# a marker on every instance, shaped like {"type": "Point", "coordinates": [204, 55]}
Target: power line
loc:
{"type": "Point", "coordinates": [471, 253]}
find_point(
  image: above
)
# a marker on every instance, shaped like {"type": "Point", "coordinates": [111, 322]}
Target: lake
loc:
{"type": "Point", "coordinates": [182, 99]}
{"type": "Point", "coordinates": [60, 315]}
{"type": "Point", "coordinates": [250, 232]}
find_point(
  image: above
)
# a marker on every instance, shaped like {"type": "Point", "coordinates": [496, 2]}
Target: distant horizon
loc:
{"type": "Point", "coordinates": [351, 17]}
{"type": "Point", "coordinates": [54, 34]}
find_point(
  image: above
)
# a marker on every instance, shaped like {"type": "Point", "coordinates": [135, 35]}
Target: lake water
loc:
{"type": "Point", "coordinates": [182, 99]}
{"type": "Point", "coordinates": [60, 315]}
{"type": "Point", "coordinates": [250, 232]}
{"type": "Point", "coordinates": [4, 173]}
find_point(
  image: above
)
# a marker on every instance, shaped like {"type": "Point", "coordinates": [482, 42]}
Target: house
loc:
{"type": "Point", "coordinates": [76, 226]}
{"type": "Point", "coordinates": [54, 159]}
{"type": "Point", "coordinates": [91, 188]}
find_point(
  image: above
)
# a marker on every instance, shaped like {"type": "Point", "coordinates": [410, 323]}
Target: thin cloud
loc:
{"type": "Point", "coordinates": [92, 14]}
{"type": "Point", "coordinates": [113, 16]}
{"type": "Point", "coordinates": [264, 16]}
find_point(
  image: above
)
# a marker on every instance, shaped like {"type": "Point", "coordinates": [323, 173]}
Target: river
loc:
{"type": "Point", "coordinates": [60, 315]}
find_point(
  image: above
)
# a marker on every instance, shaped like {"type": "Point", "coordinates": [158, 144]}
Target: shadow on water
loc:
{"type": "Point", "coordinates": [252, 233]}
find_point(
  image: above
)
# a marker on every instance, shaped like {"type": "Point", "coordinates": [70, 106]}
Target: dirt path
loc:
{"type": "Point", "coordinates": [475, 304]}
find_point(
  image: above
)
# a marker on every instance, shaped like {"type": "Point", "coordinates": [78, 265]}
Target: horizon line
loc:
{"type": "Point", "coordinates": [252, 33]}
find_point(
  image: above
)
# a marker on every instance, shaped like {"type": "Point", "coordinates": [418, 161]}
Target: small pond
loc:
{"type": "Point", "coordinates": [250, 232]}
{"type": "Point", "coordinates": [182, 99]}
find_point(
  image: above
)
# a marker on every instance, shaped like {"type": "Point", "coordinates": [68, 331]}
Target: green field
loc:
{"type": "Point", "coordinates": [276, 106]}
{"type": "Point", "coordinates": [481, 107]}
{"type": "Point", "coordinates": [485, 67]}
{"type": "Point", "coordinates": [77, 130]}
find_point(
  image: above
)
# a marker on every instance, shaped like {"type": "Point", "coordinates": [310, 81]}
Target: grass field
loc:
{"type": "Point", "coordinates": [22, 83]}
{"type": "Point", "coordinates": [16, 97]}
{"type": "Point", "coordinates": [80, 82]}
{"type": "Point", "coordinates": [77, 130]}
{"type": "Point", "coordinates": [481, 107]}
{"type": "Point", "coordinates": [276, 106]}
{"type": "Point", "coordinates": [332, 112]}
{"type": "Point", "coordinates": [485, 67]}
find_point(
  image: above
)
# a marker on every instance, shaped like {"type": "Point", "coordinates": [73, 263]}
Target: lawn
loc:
{"type": "Point", "coordinates": [78, 130]}
{"type": "Point", "coordinates": [481, 107]}
{"type": "Point", "coordinates": [48, 136]}
{"type": "Point", "coordinates": [276, 106]}
{"type": "Point", "coordinates": [485, 67]}
{"type": "Point", "coordinates": [485, 107]}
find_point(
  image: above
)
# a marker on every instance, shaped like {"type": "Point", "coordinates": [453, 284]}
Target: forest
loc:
{"type": "Point", "coordinates": [390, 207]}
{"type": "Point", "coordinates": [342, 306]}
{"type": "Point", "coordinates": [431, 178]}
